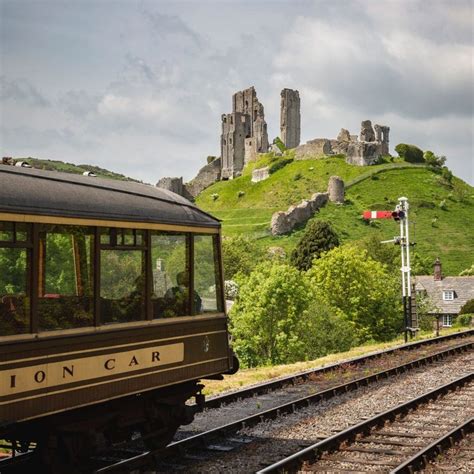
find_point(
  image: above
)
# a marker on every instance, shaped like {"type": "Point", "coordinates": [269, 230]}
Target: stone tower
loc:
{"type": "Point", "coordinates": [244, 133]}
{"type": "Point", "coordinates": [235, 128]}
{"type": "Point", "coordinates": [290, 118]}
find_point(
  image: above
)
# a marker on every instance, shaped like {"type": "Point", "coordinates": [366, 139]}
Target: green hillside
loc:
{"type": "Point", "coordinates": [56, 165]}
{"type": "Point", "coordinates": [441, 212]}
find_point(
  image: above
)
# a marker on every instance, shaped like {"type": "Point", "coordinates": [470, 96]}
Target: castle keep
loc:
{"type": "Point", "coordinates": [244, 133]}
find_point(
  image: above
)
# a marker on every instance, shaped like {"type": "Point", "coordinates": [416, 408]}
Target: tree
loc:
{"type": "Point", "coordinates": [239, 255]}
{"type": "Point", "coordinates": [468, 307]}
{"type": "Point", "coordinates": [359, 289]}
{"type": "Point", "coordinates": [387, 254]}
{"type": "Point", "coordinates": [318, 237]}
{"type": "Point", "coordinates": [269, 320]}
{"type": "Point", "coordinates": [410, 153]}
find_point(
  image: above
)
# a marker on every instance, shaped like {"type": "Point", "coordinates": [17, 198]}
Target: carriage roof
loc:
{"type": "Point", "coordinates": [50, 193]}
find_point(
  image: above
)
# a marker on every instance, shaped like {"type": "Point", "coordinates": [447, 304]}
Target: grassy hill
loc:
{"type": "Point", "coordinates": [441, 213]}
{"type": "Point", "coordinates": [56, 165]}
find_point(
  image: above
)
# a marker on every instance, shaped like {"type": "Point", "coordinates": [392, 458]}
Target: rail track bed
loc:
{"type": "Point", "coordinates": [399, 440]}
{"type": "Point", "coordinates": [267, 436]}
{"type": "Point", "coordinates": [226, 430]}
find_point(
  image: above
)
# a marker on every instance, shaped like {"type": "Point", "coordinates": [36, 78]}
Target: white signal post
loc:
{"type": "Point", "coordinates": [400, 214]}
{"type": "Point", "coordinates": [402, 208]}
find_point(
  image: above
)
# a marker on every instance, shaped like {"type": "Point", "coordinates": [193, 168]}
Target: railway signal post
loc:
{"type": "Point", "coordinates": [400, 214]}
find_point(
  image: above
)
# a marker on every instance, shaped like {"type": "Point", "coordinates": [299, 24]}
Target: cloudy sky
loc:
{"type": "Point", "coordinates": [139, 86]}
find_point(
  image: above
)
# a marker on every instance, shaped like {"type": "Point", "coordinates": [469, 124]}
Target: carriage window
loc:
{"type": "Point", "coordinates": [207, 273]}
{"type": "Point", "coordinates": [65, 284]}
{"type": "Point", "coordinates": [170, 290]}
{"type": "Point", "coordinates": [122, 275]}
{"type": "Point", "coordinates": [14, 300]}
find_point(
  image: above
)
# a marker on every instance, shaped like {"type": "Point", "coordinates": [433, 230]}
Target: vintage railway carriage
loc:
{"type": "Point", "coordinates": [111, 310]}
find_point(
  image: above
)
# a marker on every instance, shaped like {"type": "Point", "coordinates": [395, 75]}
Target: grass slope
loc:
{"type": "Point", "coordinates": [56, 165]}
{"type": "Point", "coordinates": [438, 232]}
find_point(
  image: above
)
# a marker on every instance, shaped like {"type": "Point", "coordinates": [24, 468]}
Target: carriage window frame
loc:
{"type": "Point", "coordinates": [218, 275]}
{"type": "Point", "coordinates": [27, 244]}
{"type": "Point", "coordinates": [115, 238]}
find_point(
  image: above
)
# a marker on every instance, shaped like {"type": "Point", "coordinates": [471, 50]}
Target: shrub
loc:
{"type": "Point", "coordinates": [464, 319]}
{"type": "Point", "coordinates": [231, 290]}
{"type": "Point", "coordinates": [468, 307]}
{"type": "Point", "coordinates": [432, 160]}
{"type": "Point", "coordinates": [318, 237]}
{"type": "Point", "coordinates": [278, 165]}
{"type": "Point", "coordinates": [210, 159]}
{"type": "Point", "coordinates": [446, 175]}
{"type": "Point", "coordinates": [279, 143]}
{"type": "Point", "coordinates": [215, 196]}
{"type": "Point", "coordinates": [410, 153]}
{"type": "Point", "coordinates": [443, 205]}
{"type": "Point", "coordinates": [240, 194]}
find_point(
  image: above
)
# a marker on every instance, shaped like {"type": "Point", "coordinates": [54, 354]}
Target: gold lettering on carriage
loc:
{"type": "Point", "coordinates": [87, 369]}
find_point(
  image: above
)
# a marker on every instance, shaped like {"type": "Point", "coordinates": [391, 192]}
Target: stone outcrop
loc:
{"type": "Point", "coordinates": [260, 174]}
{"type": "Point", "coordinates": [290, 118]}
{"type": "Point", "coordinates": [336, 189]}
{"type": "Point", "coordinates": [284, 222]}
{"type": "Point", "coordinates": [364, 150]}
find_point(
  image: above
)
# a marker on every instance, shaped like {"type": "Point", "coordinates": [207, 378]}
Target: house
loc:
{"type": "Point", "coordinates": [447, 294]}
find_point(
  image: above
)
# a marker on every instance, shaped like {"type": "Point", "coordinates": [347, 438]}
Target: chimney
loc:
{"type": "Point", "coordinates": [437, 270]}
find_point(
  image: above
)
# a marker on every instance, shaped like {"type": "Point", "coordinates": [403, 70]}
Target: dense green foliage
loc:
{"type": "Point", "coordinates": [318, 237]}
{"type": "Point", "coordinates": [269, 320]}
{"type": "Point", "coordinates": [410, 153]}
{"type": "Point", "coordinates": [432, 160]}
{"type": "Point", "coordinates": [277, 318]}
{"type": "Point", "coordinates": [359, 289]}
{"type": "Point", "coordinates": [240, 256]}
{"type": "Point", "coordinates": [468, 307]}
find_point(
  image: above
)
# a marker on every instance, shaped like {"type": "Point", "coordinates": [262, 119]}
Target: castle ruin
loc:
{"type": "Point", "coordinates": [360, 151]}
{"type": "Point", "coordinates": [244, 133]}
{"type": "Point", "coordinates": [290, 118]}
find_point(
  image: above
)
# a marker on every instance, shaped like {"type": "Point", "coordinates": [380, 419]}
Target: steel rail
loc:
{"type": "Point", "coordinates": [266, 387]}
{"type": "Point", "coordinates": [422, 457]}
{"type": "Point", "coordinates": [202, 439]}
{"type": "Point", "coordinates": [312, 453]}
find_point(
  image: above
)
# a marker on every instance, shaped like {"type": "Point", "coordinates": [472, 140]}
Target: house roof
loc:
{"type": "Point", "coordinates": [463, 287]}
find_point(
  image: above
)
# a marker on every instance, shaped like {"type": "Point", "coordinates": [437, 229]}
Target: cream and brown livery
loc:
{"type": "Point", "coordinates": [111, 310]}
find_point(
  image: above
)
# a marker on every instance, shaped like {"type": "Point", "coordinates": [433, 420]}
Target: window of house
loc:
{"type": "Point", "coordinates": [65, 279]}
{"type": "Point", "coordinates": [447, 320]}
{"type": "Point", "coordinates": [448, 295]}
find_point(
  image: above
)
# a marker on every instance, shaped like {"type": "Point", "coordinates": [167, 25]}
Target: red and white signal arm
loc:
{"type": "Point", "coordinates": [377, 215]}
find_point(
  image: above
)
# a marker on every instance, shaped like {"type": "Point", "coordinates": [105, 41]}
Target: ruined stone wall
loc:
{"type": "Point", "coordinates": [290, 118]}
{"type": "Point", "coordinates": [235, 128]}
{"type": "Point", "coordinates": [174, 185]}
{"type": "Point", "coordinates": [312, 148]}
{"type": "Point", "coordinates": [207, 175]}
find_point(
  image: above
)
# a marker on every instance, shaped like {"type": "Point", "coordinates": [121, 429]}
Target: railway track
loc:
{"type": "Point", "coordinates": [400, 440]}
{"type": "Point", "coordinates": [199, 447]}
{"type": "Point", "coordinates": [289, 395]}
